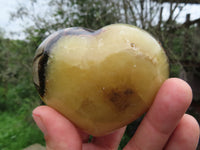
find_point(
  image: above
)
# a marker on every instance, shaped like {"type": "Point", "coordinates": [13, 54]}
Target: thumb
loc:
{"type": "Point", "coordinates": [59, 133]}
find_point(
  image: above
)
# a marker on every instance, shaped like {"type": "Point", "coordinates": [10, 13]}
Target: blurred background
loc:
{"type": "Point", "coordinates": [25, 23]}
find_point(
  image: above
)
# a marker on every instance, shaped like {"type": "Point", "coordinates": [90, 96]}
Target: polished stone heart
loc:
{"type": "Point", "coordinates": [100, 80]}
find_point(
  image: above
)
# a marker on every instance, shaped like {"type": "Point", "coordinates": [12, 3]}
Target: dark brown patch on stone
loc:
{"type": "Point", "coordinates": [42, 57]}
{"type": "Point", "coordinates": [120, 98]}
{"type": "Point", "coordinates": [128, 92]}
{"type": "Point", "coordinates": [41, 74]}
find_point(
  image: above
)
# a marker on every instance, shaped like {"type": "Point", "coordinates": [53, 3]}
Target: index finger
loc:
{"type": "Point", "coordinates": [171, 102]}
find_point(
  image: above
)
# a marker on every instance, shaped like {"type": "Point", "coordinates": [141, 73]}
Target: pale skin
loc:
{"type": "Point", "coordinates": [164, 127]}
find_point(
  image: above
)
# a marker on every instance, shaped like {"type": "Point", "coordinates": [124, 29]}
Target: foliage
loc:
{"type": "Point", "coordinates": [15, 74]}
{"type": "Point", "coordinates": [17, 96]}
{"type": "Point", "coordinates": [15, 133]}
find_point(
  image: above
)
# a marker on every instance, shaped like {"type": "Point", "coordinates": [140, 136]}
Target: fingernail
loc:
{"type": "Point", "coordinates": [40, 123]}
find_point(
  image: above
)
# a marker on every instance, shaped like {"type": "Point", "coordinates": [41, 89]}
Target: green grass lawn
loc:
{"type": "Point", "coordinates": [16, 133]}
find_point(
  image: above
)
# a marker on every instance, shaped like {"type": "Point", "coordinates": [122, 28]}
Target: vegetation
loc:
{"type": "Point", "coordinates": [18, 96]}
{"type": "Point", "coordinates": [16, 133]}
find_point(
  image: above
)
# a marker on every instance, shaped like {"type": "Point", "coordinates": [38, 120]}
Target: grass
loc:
{"type": "Point", "coordinates": [16, 133]}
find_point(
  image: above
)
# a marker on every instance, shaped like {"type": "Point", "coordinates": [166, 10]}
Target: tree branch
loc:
{"type": "Point", "coordinates": [125, 10]}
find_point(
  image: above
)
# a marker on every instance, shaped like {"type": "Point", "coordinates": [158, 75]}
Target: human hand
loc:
{"type": "Point", "coordinates": [165, 126]}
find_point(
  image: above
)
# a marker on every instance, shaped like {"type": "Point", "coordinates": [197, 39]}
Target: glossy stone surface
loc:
{"type": "Point", "coordinates": [100, 80]}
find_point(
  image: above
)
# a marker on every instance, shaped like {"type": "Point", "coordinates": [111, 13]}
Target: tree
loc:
{"type": "Point", "coordinates": [59, 14]}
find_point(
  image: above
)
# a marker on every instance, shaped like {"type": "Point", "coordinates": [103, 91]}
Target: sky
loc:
{"type": "Point", "coordinates": [7, 6]}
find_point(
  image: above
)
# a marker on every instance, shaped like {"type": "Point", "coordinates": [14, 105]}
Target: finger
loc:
{"type": "Point", "coordinates": [171, 102]}
{"type": "Point", "coordinates": [185, 136]}
{"type": "Point", "coordinates": [110, 141]}
{"type": "Point", "coordinates": [59, 133]}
